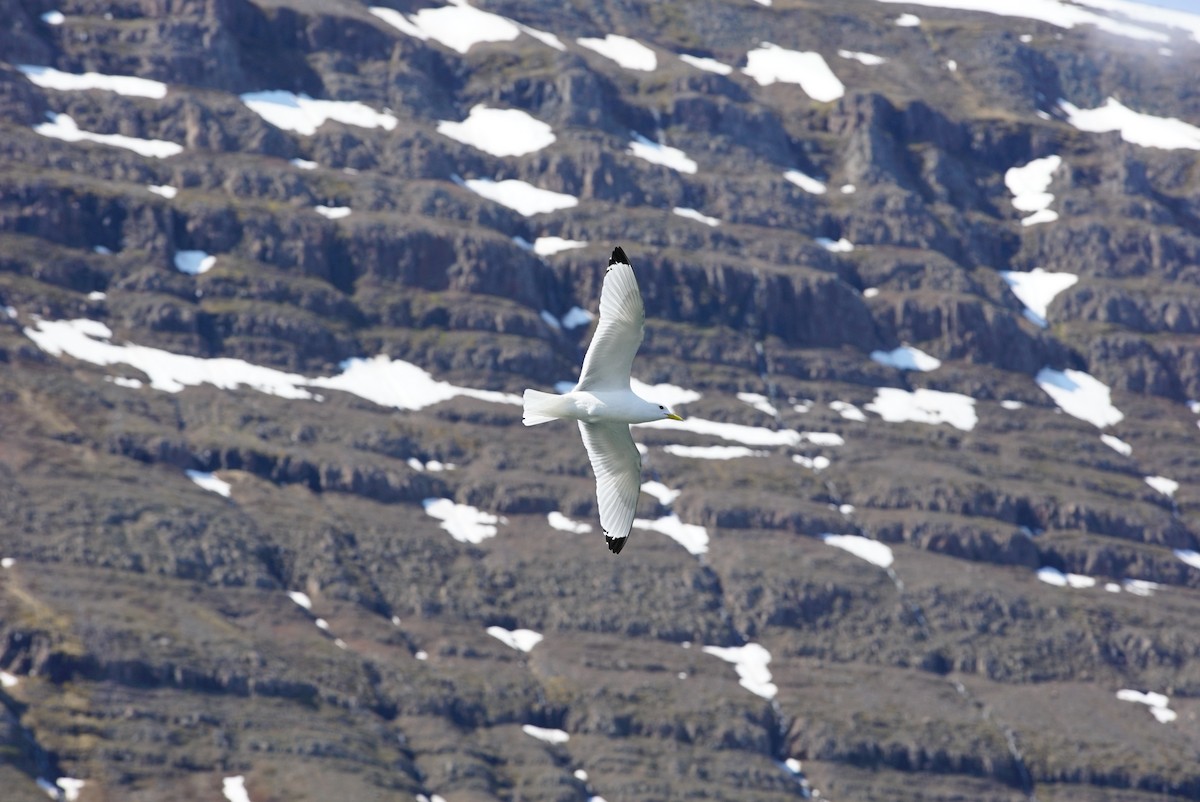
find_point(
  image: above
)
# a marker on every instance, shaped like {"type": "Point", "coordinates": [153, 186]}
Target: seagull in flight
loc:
{"type": "Point", "coordinates": [604, 404]}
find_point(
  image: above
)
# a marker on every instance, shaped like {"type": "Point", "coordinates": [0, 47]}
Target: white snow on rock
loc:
{"type": "Point", "coordinates": [386, 382]}
{"type": "Point", "coordinates": [500, 132]}
{"type": "Point", "coordinates": [739, 433]}
{"type": "Point", "coordinates": [304, 115]}
{"type": "Point", "coordinates": [544, 734]}
{"type": "Point", "coordinates": [805, 182]}
{"type": "Point", "coordinates": [1028, 184]}
{"type": "Point", "coordinates": [234, 789]}
{"type": "Point", "coordinates": [465, 523]}
{"type": "Point", "coordinates": [848, 411]}
{"type": "Point", "coordinates": [575, 317]}
{"type": "Point", "coordinates": [759, 402]}
{"type": "Point", "coordinates": [7, 562]}
{"type": "Point", "coordinates": [863, 548]}
{"type": "Point", "coordinates": [842, 245]}
{"type": "Point", "coordinates": [62, 126]}
{"type": "Point", "coordinates": [847, 189]}
{"type": "Point", "coordinates": [750, 662]}
{"type": "Point", "coordinates": [1080, 395]}
{"type": "Point", "coordinates": [564, 524]}
{"type": "Point", "coordinates": [1157, 703]}
{"type": "Point", "coordinates": [194, 262]}
{"type": "Point", "coordinates": [520, 639]}
{"type": "Point", "coordinates": [906, 357]}
{"type": "Point", "coordinates": [96, 295]}
{"type": "Point", "coordinates": [1146, 130]}
{"type": "Point", "coordinates": [664, 494]}
{"type": "Point", "coordinates": [692, 537]}
{"type": "Point", "coordinates": [303, 164]}
{"type": "Point", "coordinates": [210, 482]}
{"type": "Point", "coordinates": [712, 452]}
{"type": "Point", "coordinates": [7, 680]}
{"type": "Point", "coordinates": [53, 18]}
{"type": "Point", "coordinates": [1116, 444]}
{"type": "Point", "coordinates": [1189, 556]}
{"type": "Point", "coordinates": [869, 59]}
{"type": "Point", "coordinates": [163, 190]}
{"type": "Point", "coordinates": [301, 598]}
{"type": "Point", "coordinates": [816, 464]}
{"type": "Point", "coordinates": [629, 53]}
{"type": "Point", "coordinates": [524, 198]}
{"type": "Point", "coordinates": [460, 27]}
{"type": "Point", "coordinates": [1055, 12]}
{"type": "Point", "coordinates": [1053, 576]}
{"type": "Point", "coordinates": [823, 438]}
{"type": "Point", "coordinates": [924, 406]}
{"type": "Point", "coordinates": [128, 85]}
{"type": "Point", "coordinates": [1011, 404]}
{"type": "Point", "coordinates": [1036, 289]}
{"type": "Point", "coordinates": [70, 787]}
{"type": "Point", "coordinates": [771, 63]}
{"type": "Point", "coordinates": [908, 20]}
{"type": "Point", "coordinates": [1163, 485]}
{"type": "Point", "coordinates": [706, 64]}
{"type": "Point", "coordinates": [699, 217]}
{"type": "Point", "coordinates": [548, 246]}
{"type": "Point", "coordinates": [658, 153]}
{"type": "Point", "coordinates": [332, 212]}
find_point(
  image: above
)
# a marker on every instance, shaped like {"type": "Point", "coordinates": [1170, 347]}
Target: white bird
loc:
{"type": "Point", "coordinates": [604, 404]}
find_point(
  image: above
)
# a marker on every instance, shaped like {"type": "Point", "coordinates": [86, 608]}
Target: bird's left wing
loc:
{"type": "Point", "coordinates": [609, 358]}
{"type": "Point", "coordinates": [618, 468]}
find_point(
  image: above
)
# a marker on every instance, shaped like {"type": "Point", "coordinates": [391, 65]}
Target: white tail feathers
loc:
{"type": "Point", "coordinates": [539, 407]}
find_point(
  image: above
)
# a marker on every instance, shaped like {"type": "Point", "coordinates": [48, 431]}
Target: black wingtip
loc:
{"type": "Point", "coordinates": [615, 544]}
{"type": "Point", "coordinates": [618, 257]}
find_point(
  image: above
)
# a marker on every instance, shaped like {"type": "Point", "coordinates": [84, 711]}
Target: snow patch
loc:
{"type": "Point", "coordinates": [163, 190]}
{"type": "Point", "coordinates": [869, 59]}
{"type": "Point", "coordinates": [194, 262]}
{"type": "Point", "coordinates": [128, 85]}
{"type": "Point", "coordinates": [7, 680]}
{"type": "Point", "coordinates": [817, 463]}
{"type": "Point", "coordinates": [750, 662]}
{"type": "Point", "coordinates": [1163, 485]}
{"type": "Point", "coordinates": [465, 523]}
{"type": "Point", "coordinates": [550, 736]}
{"type": "Point", "coordinates": [712, 452]}
{"type": "Point", "coordinates": [670, 395]}
{"type": "Point", "coordinates": [906, 357]}
{"type": "Point", "coordinates": [62, 126]}
{"type": "Point", "coordinates": [629, 53]}
{"type": "Point", "coordinates": [301, 598]}
{"type": "Point", "coordinates": [575, 317]}
{"type": "Point", "coordinates": [1053, 576]}
{"type": "Point", "coordinates": [1054, 12]}
{"type": "Point", "coordinates": [460, 27]}
{"type": "Point", "coordinates": [699, 217]}
{"type": "Point", "coordinates": [747, 435]}
{"type": "Point", "coordinates": [1028, 184]}
{"type": "Point", "coordinates": [332, 212]}
{"type": "Point", "coordinates": [848, 411]}
{"type": "Point", "coordinates": [872, 551]}
{"type": "Point", "coordinates": [1036, 289]}
{"type": "Point", "coordinates": [303, 164]}
{"type": "Point", "coordinates": [564, 524]}
{"type": "Point", "coordinates": [658, 153]}
{"type": "Point", "coordinates": [770, 63]}
{"type": "Point", "coordinates": [500, 132]}
{"type": "Point", "coordinates": [1146, 130]}
{"type": "Point", "coordinates": [524, 198]}
{"type": "Point", "coordinates": [548, 246]}
{"type": "Point", "coordinates": [210, 482]}
{"type": "Point", "coordinates": [1080, 395]}
{"type": "Point", "coordinates": [234, 789]}
{"type": "Point", "coordinates": [805, 182]}
{"type": "Point", "coordinates": [692, 537]}
{"type": "Point", "coordinates": [759, 402]}
{"type": "Point", "coordinates": [925, 406]}
{"type": "Point", "coordinates": [304, 115]}
{"type": "Point", "coordinates": [53, 18]}
{"type": "Point", "coordinates": [842, 245]}
{"type": "Point", "coordinates": [706, 64]}
{"type": "Point", "coordinates": [908, 20]}
{"type": "Point", "coordinates": [1116, 444]}
{"type": "Point", "coordinates": [1189, 556]}
{"type": "Point", "coordinates": [520, 639]}
{"type": "Point", "coordinates": [1157, 703]}
{"type": "Point", "coordinates": [664, 494]}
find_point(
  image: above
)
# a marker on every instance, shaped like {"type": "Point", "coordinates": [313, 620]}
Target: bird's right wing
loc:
{"type": "Point", "coordinates": [618, 468]}
{"type": "Point", "coordinates": [609, 358]}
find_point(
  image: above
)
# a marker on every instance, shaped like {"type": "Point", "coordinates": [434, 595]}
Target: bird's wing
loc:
{"type": "Point", "coordinates": [609, 358]}
{"type": "Point", "coordinates": [618, 468]}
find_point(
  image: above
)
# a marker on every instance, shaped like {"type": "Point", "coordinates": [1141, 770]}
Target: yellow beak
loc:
{"type": "Point", "coordinates": [673, 416]}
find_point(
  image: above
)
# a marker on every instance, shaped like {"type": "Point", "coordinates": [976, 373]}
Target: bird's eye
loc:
{"type": "Point", "coordinates": [660, 406]}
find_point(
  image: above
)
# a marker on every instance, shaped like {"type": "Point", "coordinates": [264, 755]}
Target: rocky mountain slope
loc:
{"type": "Point", "coordinates": [924, 281]}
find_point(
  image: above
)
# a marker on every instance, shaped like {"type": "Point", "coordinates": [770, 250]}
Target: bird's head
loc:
{"type": "Point", "coordinates": [667, 413]}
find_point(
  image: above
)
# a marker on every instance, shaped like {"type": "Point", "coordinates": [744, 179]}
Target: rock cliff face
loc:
{"type": "Point", "coordinates": [924, 282]}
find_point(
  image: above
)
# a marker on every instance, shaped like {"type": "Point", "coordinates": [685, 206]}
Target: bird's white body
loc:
{"type": "Point", "coordinates": [604, 404]}
{"type": "Point", "coordinates": [594, 407]}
